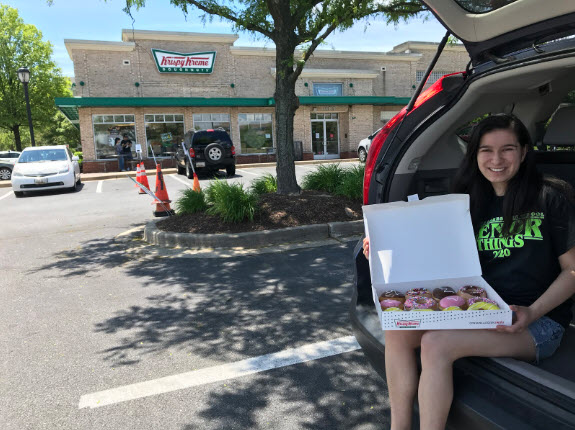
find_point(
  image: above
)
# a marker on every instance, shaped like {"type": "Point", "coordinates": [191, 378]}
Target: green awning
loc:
{"type": "Point", "coordinates": [69, 105]}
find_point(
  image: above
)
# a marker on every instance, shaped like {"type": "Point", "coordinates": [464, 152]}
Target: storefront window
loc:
{"type": "Point", "coordinates": [107, 128]}
{"type": "Point", "coordinates": [256, 134]}
{"type": "Point", "coordinates": [327, 90]}
{"type": "Point", "coordinates": [163, 133]}
{"type": "Point", "coordinates": [206, 121]}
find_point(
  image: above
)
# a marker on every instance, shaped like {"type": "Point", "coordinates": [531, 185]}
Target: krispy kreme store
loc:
{"type": "Point", "coordinates": [153, 86]}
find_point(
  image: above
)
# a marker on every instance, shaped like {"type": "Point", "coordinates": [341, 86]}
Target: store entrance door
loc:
{"type": "Point", "coordinates": [325, 135]}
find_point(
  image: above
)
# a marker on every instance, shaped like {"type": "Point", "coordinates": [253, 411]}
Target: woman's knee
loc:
{"type": "Point", "coordinates": [436, 347]}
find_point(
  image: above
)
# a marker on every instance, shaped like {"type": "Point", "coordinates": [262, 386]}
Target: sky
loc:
{"type": "Point", "coordinates": [104, 21]}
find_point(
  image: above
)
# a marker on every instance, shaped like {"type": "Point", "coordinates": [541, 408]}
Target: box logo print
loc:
{"type": "Point", "coordinates": [407, 324]}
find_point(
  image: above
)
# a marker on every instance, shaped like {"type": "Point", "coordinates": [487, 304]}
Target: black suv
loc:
{"type": "Point", "coordinates": [210, 150]}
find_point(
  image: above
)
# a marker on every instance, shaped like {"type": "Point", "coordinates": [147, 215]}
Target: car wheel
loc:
{"type": "Point", "coordinates": [231, 170]}
{"type": "Point", "coordinates": [5, 173]}
{"type": "Point", "coordinates": [18, 194]}
{"type": "Point", "coordinates": [362, 155]}
{"type": "Point", "coordinates": [214, 153]}
{"type": "Point", "coordinates": [181, 170]}
{"type": "Point", "coordinates": [189, 171]}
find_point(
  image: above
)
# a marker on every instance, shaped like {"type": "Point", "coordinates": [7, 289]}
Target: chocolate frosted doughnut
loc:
{"type": "Point", "coordinates": [441, 292]}
{"type": "Point", "coordinates": [392, 295]}
{"type": "Point", "coordinates": [470, 291]}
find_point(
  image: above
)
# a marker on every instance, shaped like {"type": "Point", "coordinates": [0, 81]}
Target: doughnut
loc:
{"type": "Point", "coordinates": [418, 292]}
{"type": "Point", "coordinates": [420, 302]}
{"type": "Point", "coordinates": [452, 308]}
{"type": "Point", "coordinates": [421, 310]}
{"type": "Point", "coordinates": [450, 301]}
{"type": "Point", "coordinates": [480, 299]}
{"type": "Point", "coordinates": [389, 303]}
{"type": "Point", "coordinates": [470, 291]}
{"type": "Point", "coordinates": [393, 295]}
{"type": "Point", "coordinates": [392, 310]}
{"type": "Point", "coordinates": [483, 306]}
{"type": "Point", "coordinates": [442, 292]}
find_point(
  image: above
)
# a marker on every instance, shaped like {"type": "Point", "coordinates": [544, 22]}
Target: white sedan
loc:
{"type": "Point", "coordinates": [45, 168]}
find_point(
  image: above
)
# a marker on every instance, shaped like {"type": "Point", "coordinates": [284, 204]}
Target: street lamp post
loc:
{"type": "Point", "coordinates": [24, 76]}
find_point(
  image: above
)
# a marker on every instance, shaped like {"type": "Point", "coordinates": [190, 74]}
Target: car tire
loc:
{"type": "Point", "coordinates": [5, 173]}
{"type": "Point", "coordinates": [18, 194]}
{"type": "Point", "coordinates": [189, 172]}
{"type": "Point", "coordinates": [214, 153]}
{"type": "Point", "coordinates": [362, 155]}
{"type": "Point", "coordinates": [231, 170]}
{"type": "Point", "coordinates": [181, 170]}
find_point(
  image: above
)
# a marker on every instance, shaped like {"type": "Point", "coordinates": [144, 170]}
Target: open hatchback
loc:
{"type": "Point", "coordinates": [522, 61]}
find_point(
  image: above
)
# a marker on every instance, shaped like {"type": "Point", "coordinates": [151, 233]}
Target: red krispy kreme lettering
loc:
{"type": "Point", "coordinates": [407, 324]}
{"type": "Point", "coordinates": [184, 61]}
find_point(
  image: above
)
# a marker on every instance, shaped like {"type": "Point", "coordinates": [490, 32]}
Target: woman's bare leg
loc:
{"type": "Point", "coordinates": [439, 349]}
{"type": "Point", "coordinates": [402, 375]}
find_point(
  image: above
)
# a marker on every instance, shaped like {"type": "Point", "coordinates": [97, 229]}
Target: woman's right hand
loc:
{"type": "Point", "coordinates": [366, 247]}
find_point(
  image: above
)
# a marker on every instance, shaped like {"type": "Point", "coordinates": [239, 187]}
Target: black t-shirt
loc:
{"type": "Point", "coordinates": [521, 266]}
{"type": "Point", "coordinates": [126, 148]}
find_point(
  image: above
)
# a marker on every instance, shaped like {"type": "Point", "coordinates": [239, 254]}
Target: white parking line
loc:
{"type": "Point", "coordinates": [174, 176]}
{"type": "Point", "coordinates": [249, 173]}
{"type": "Point", "coordinates": [99, 187]}
{"type": "Point", "coordinates": [6, 195]}
{"type": "Point", "coordinates": [224, 372]}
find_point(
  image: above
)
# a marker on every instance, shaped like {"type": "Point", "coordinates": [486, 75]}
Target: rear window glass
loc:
{"type": "Point", "coordinates": [483, 6]}
{"type": "Point", "coordinates": [43, 155]}
{"type": "Point", "coordinates": [207, 137]}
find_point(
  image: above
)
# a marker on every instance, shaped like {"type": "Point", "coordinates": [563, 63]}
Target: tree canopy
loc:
{"type": "Point", "coordinates": [21, 45]}
{"type": "Point", "coordinates": [297, 28]}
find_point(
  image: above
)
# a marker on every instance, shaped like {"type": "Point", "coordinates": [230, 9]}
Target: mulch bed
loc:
{"type": "Point", "coordinates": [276, 211]}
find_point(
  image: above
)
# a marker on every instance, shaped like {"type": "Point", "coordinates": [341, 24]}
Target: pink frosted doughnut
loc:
{"type": "Point", "coordinates": [481, 299]}
{"type": "Point", "coordinates": [389, 303]}
{"type": "Point", "coordinates": [420, 302]}
{"type": "Point", "coordinates": [417, 292]}
{"type": "Point", "coordinates": [449, 301]}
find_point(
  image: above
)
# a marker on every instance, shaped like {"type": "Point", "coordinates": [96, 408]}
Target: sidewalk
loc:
{"type": "Point", "coordinates": [118, 175]}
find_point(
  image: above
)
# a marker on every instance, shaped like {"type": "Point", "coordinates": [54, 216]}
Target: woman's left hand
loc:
{"type": "Point", "coordinates": [523, 317]}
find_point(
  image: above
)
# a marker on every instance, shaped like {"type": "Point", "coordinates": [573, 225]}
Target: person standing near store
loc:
{"type": "Point", "coordinates": [126, 150]}
{"type": "Point", "coordinates": [118, 146]}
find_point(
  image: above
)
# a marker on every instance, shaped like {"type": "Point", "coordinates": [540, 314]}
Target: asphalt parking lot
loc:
{"type": "Point", "coordinates": [99, 331]}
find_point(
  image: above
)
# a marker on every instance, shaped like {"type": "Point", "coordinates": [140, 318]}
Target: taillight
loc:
{"type": "Point", "coordinates": [192, 153]}
{"type": "Point", "coordinates": [233, 150]}
{"type": "Point", "coordinates": [381, 137]}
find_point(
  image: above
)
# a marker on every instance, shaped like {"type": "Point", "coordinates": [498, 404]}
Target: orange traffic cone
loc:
{"type": "Point", "coordinates": [143, 178]}
{"type": "Point", "coordinates": [138, 176]}
{"type": "Point", "coordinates": [196, 186]}
{"type": "Point", "coordinates": [162, 209]}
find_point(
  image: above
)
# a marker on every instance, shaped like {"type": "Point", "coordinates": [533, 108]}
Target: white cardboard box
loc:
{"type": "Point", "coordinates": [427, 243]}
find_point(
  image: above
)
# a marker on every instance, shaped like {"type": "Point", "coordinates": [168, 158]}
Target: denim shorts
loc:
{"type": "Point", "coordinates": [547, 335]}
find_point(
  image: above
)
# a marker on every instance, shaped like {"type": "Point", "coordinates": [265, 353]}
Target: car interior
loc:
{"type": "Point", "coordinates": [535, 94]}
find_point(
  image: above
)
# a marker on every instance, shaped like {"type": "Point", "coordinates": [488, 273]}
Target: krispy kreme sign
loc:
{"type": "Point", "coordinates": [175, 62]}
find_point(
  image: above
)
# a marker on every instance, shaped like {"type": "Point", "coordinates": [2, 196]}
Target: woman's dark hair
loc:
{"type": "Point", "coordinates": [117, 138]}
{"type": "Point", "coordinates": [523, 190]}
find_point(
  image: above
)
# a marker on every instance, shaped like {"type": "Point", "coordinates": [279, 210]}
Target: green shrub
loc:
{"type": "Point", "coordinates": [231, 202]}
{"type": "Point", "coordinates": [327, 178]}
{"type": "Point", "coordinates": [265, 184]}
{"type": "Point", "coordinates": [191, 202]}
{"type": "Point", "coordinates": [351, 184]}
{"type": "Point", "coordinates": [80, 156]}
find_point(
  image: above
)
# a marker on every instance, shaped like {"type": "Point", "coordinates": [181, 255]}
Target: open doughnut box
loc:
{"type": "Point", "coordinates": [427, 243]}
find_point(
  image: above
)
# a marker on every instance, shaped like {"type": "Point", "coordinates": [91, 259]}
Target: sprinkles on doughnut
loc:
{"type": "Point", "coordinates": [420, 302]}
{"type": "Point", "coordinates": [417, 292]}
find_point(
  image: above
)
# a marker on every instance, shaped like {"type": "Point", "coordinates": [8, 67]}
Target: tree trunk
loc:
{"type": "Point", "coordinates": [286, 104]}
{"type": "Point", "coordinates": [16, 131]}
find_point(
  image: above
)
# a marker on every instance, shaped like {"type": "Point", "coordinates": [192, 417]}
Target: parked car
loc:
{"type": "Point", "coordinates": [45, 168]}
{"type": "Point", "coordinates": [9, 156]}
{"type": "Point", "coordinates": [6, 170]}
{"type": "Point", "coordinates": [209, 150]}
{"type": "Point", "coordinates": [363, 147]}
{"type": "Point", "coordinates": [522, 61]}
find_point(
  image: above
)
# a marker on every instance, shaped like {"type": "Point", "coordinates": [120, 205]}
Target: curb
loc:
{"type": "Point", "coordinates": [251, 240]}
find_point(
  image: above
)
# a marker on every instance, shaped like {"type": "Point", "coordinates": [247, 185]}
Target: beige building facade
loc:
{"type": "Point", "coordinates": [153, 86]}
